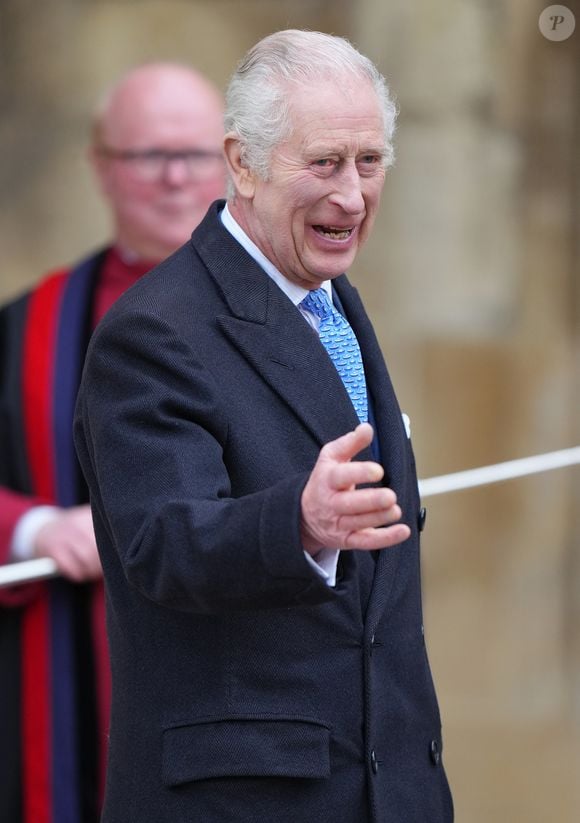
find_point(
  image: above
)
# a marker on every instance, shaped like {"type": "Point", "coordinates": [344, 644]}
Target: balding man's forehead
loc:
{"type": "Point", "coordinates": [161, 98]}
{"type": "Point", "coordinates": [150, 84]}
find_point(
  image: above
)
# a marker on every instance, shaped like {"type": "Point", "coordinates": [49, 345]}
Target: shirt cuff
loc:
{"type": "Point", "coordinates": [325, 564]}
{"type": "Point", "coordinates": [26, 529]}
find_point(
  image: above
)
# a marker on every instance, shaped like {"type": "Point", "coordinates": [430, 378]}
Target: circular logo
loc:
{"type": "Point", "coordinates": [557, 23]}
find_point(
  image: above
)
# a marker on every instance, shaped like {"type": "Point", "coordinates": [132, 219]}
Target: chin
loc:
{"type": "Point", "coordinates": [336, 268]}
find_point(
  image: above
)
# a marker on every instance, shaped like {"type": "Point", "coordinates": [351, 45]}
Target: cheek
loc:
{"type": "Point", "coordinates": [139, 208]}
{"type": "Point", "coordinates": [373, 194]}
{"type": "Point", "coordinates": [302, 206]}
{"type": "Point", "coordinates": [374, 200]}
{"type": "Point", "coordinates": [211, 190]}
{"type": "Point", "coordinates": [129, 194]}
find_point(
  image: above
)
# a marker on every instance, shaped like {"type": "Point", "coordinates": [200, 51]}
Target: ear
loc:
{"type": "Point", "coordinates": [243, 178]}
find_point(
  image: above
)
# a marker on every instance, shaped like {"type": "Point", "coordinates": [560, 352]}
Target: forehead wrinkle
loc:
{"type": "Point", "coordinates": [342, 148]}
{"type": "Point", "coordinates": [351, 113]}
{"type": "Point", "coordinates": [340, 138]}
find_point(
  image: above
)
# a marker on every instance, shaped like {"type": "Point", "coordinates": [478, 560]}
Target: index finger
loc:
{"type": "Point", "coordinates": [344, 448]}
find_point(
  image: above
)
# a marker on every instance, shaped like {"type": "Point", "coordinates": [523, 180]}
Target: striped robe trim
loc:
{"type": "Point", "coordinates": [54, 345]}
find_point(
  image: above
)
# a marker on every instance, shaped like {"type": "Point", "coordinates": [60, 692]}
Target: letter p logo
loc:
{"type": "Point", "coordinates": [557, 23]}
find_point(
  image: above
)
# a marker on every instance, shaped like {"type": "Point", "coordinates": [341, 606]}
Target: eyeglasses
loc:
{"type": "Point", "coordinates": [151, 164]}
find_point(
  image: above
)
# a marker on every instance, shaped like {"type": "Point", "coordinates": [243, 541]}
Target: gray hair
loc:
{"type": "Point", "coordinates": [257, 100]}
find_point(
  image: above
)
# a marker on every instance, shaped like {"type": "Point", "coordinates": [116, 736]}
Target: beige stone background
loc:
{"type": "Point", "coordinates": [472, 279]}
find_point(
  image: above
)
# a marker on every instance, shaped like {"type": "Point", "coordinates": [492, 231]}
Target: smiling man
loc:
{"type": "Point", "coordinates": [315, 207]}
{"type": "Point", "coordinates": [253, 487]}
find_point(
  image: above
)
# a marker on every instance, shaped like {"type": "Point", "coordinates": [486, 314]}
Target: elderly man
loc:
{"type": "Point", "coordinates": [259, 544]}
{"type": "Point", "coordinates": [158, 156]}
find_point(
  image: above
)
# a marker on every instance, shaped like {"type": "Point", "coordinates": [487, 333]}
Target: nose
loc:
{"type": "Point", "coordinates": [348, 190]}
{"type": "Point", "coordinates": [176, 171]}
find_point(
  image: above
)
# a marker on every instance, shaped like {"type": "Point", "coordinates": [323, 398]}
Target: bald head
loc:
{"type": "Point", "coordinates": [154, 91]}
{"type": "Point", "coordinates": [164, 108]}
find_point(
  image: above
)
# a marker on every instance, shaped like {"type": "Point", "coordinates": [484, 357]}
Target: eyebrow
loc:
{"type": "Point", "coordinates": [341, 151]}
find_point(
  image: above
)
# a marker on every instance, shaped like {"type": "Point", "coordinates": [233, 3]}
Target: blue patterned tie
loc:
{"type": "Point", "coordinates": [340, 342]}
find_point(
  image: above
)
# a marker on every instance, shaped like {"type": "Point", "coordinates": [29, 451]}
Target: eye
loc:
{"type": "Point", "coordinates": [370, 159]}
{"type": "Point", "coordinates": [370, 163]}
{"type": "Point", "coordinates": [325, 163]}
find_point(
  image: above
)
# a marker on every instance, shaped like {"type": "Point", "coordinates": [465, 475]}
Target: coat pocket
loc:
{"type": "Point", "coordinates": [246, 747]}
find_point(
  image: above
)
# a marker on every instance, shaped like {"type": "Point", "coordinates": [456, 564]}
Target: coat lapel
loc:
{"type": "Point", "coordinates": [270, 332]}
{"type": "Point", "coordinates": [392, 440]}
{"type": "Point", "coordinates": [388, 419]}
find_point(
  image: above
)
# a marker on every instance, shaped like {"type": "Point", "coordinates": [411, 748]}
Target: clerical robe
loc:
{"type": "Point", "coordinates": [54, 668]}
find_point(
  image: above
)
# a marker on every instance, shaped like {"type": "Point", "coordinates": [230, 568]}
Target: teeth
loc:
{"type": "Point", "coordinates": [336, 234]}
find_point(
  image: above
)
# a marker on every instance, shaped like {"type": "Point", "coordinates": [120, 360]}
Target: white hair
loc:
{"type": "Point", "coordinates": [257, 99]}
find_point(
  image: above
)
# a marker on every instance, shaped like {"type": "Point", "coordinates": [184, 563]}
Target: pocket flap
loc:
{"type": "Point", "coordinates": [246, 748]}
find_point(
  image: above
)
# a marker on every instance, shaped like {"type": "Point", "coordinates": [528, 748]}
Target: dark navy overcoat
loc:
{"type": "Point", "coordinates": [245, 688]}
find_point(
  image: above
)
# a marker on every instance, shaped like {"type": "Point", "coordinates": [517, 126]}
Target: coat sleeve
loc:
{"type": "Point", "coordinates": [150, 433]}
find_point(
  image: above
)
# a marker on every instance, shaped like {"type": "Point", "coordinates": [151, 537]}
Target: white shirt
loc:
{"type": "Point", "coordinates": [326, 560]}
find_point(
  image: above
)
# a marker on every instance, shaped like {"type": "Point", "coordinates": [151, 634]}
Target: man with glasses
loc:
{"type": "Point", "coordinates": [157, 152]}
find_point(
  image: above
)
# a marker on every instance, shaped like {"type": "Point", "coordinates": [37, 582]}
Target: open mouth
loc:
{"type": "Point", "coordinates": [334, 233]}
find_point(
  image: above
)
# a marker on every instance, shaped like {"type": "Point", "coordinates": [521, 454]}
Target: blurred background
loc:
{"type": "Point", "coordinates": [472, 279]}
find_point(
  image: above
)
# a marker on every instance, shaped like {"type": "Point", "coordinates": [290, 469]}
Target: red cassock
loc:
{"type": "Point", "coordinates": [54, 667]}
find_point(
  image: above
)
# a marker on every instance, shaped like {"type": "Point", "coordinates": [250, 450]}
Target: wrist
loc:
{"type": "Point", "coordinates": [22, 546]}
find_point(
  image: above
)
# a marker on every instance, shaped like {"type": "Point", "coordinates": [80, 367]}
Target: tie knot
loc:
{"type": "Point", "coordinates": [317, 302]}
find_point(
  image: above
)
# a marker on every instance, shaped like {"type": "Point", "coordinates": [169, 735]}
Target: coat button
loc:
{"type": "Point", "coordinates": [421, 518]}
{"type": "Point", "coordinates": [434, 753]}
{"type": "Point", "coordinates": [374, 763]}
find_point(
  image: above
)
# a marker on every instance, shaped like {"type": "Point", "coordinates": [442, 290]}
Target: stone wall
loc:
{"type": "Point", "coordinates": [473, 282]}
{"type": "Point", "coordinates": [478, 251]}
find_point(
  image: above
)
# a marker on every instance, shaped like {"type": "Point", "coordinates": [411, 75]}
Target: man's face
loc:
{"type": "Point", "coordinates": [156, 211]}
{"type": "Point", "coordinates": [318, 207]}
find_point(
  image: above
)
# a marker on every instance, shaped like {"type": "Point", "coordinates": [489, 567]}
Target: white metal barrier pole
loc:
{"type": "Point", "coordinates": [499, 471]}
{"type": "Point", "coordinates": [28, 571]}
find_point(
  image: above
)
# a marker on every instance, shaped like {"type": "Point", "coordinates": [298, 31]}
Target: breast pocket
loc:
{"type": "Point", "coordinates": [246, 747]}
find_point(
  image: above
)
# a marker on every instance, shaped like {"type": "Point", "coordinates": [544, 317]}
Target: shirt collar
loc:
{"type": "Point", "coordinates": [292, 290]}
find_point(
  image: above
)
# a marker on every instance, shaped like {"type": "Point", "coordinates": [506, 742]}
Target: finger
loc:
{"type": "Point", "coordinates": [68, 563]}
{"type": "Point", "coordinates": [370, 539]}
{"type": "Point", "coordinates": [77, 568]}
{"type": "Point", "coordinates": [344, 448]}
{"type": "Point", "coordinates": [85, 525]}
{"type": "Point", "coordinates": [87, 558]}
{"type": "Point", "coordinates": [94, 563]}
{"type": "Point", "coordinates": [74, 550]}
{"type": "Point", "coordinates": [369, 520]}
{"type": "Point", "coordinates": [85, 529]}
{"type": "Point", "coordinates": [362, 501]}
{"type": "Point", "coordinates": [345, 475]}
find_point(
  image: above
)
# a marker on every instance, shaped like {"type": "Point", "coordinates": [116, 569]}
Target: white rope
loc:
{"type": "Point", "coordinates": [28, 571]}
